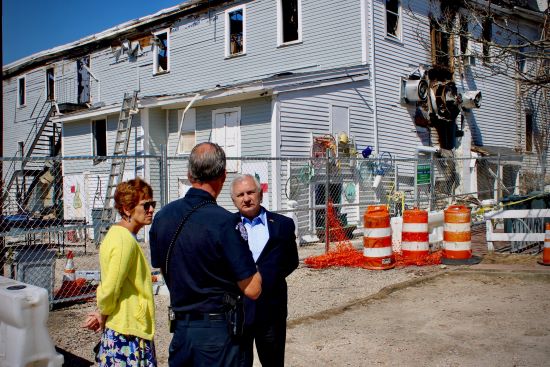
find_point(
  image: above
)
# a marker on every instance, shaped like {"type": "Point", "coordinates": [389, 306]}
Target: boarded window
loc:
{"type": "Point", "coordinates": [290, 20]}
{"type": "Point", "coordinates": [50, 84]}
{"type": "Point", "coordinates": [236, 32]}
{"type": "Point", "coordinates": [21, 92]}
{"type": "Point", "coordinates": [528, 132]}
{"type": "Point", "coordinates": [392, 18]}
{"type": "Point", "coordinates": [187, 133]}
{"type": "Point", "coordinates": [100, 137]}
{"type": "Point", "coordinates": [161, 52]}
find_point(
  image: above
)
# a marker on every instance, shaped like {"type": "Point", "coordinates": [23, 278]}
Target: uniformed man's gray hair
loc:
{"type": "Point", "coordinates": [206, 162]}
{"type": "Point", "coordinates": [241, 178]}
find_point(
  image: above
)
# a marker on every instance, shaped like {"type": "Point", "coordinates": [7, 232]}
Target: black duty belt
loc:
{"type": "Point", "coordinates": [196, 316]}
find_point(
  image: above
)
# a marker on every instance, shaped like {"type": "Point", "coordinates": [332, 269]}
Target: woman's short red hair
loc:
{"type": "Point", "coordinates": [129, 193]}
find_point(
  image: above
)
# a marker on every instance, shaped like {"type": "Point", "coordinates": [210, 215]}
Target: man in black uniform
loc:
{"type": "Point", "coordinates": [204, 264]}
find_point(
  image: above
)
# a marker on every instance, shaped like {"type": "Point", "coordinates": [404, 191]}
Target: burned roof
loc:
{"type": "Point", "coordinates": [131, 29]}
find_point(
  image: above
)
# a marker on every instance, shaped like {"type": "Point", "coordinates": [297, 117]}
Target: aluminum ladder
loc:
{"type": "Point", "coordinates": [127, 111]}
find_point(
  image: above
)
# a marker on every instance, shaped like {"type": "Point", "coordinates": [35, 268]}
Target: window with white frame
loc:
{"type": "Point", "coordinates": [21, 92]}
{"type": "Point", "coordinates": [465, 43]}
{"type": "Point", "coordinates": [521, 60]}
{"type": "Point", "coordinates": [393, 18]}
{"type": "Point", "coordinates": [161, 52]}
{"type": "Point", "coordinates": [99, 132]}
{"type": "Point", "coordinates": [235, 31]}
{"type": "Point", "coordinates": [289, 21]}
{"type": "Point", "coordinates": [50, 84]}
{"type": "Point", "coordinates": [186, 138]}
{"type": "Point", "coordinates": [227, 134]}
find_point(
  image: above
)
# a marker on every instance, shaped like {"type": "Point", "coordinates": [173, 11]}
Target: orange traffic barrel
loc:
{"type": "Point", "coordinates": [457, 236]}
{"type": "Point", "coordinates": [415, 242]}
{"type": "Point", "coordinates": [377, 246]}
{"type": "Point", "coordinates": [546, 250]}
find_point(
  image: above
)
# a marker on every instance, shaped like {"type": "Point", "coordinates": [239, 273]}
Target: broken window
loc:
{"type": "Point", "coordinates": [99, 129]}
{"type": "Point", "coordinates": [393, 27]}
{"type": "Point", "coordinates": [50, 84]}
{"type": "Point", "coordinates": [487, 35]}
{"type": "Point", "coordinates": [289, 23]}
{"type": "Point", "coordinates": [161, 52]}
{"type": "Point", "coordinates": [21, 92]}
{"type": "Point", "coordinates": [235, 32]}
{"type": "Point", "coordinates": [528, 132]}
{"type": "Point", "coordinates": [442, 46]}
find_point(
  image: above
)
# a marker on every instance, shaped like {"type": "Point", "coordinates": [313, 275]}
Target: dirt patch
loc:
{"type": "Point", "coordinates": [498, 258]}
{"type": "Point", "coordinates": [456, 319]}
{"type": "Point", "coordinates": [413, 316]}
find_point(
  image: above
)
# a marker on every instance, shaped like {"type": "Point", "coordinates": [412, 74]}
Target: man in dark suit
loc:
{"type": "Point", "coordinates": [272, 242]}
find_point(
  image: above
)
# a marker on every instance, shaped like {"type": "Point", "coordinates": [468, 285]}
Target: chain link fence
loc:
{"type": "Point", "coordinates": [51, 207]}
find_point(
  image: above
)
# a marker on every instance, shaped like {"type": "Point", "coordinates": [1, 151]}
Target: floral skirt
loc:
{"type": "Point", "coordinates": [121, 350]}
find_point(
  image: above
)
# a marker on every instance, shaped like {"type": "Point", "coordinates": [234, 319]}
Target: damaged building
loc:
{"type": "Point", "coordinates": [265, 79]}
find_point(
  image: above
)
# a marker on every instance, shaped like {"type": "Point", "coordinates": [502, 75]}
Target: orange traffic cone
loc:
{"type": "Point", "coordinates": [69, 271]}
{"type": "Point", "coordinates": [546, 251]}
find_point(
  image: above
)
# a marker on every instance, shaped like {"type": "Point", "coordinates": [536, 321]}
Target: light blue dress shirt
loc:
{"type": "Point", "coordinates": [258, 233]}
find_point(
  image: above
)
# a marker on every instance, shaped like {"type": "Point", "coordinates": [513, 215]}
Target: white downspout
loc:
{"type": "Point", "coordinates": [275, 152]}
{"type": "Point", "coordinates": [373, 78]}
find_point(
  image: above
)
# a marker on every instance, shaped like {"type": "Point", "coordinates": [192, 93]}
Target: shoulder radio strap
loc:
{"type": "Point", "coordinates": [180, 227]}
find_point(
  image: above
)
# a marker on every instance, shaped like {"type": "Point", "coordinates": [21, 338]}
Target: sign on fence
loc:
{"type": "Point", "coordinates": [423, 174]}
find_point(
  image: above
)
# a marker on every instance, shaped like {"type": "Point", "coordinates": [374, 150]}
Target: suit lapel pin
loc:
{"type": "Point", "coordinates": [242, 230]}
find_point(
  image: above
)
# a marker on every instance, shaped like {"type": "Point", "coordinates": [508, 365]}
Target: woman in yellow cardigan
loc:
{"type": "Point", "coordinates": [125, 294]}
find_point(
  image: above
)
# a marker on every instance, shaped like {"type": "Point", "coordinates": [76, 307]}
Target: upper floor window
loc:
{"type": "Point", "coordinates": [289, 21]}
{"type": "Point", "coordinates": [235, 31]}
{"type": "Point", "coordinates": [528, 132]}
{"type": "Point", "coordinates": [161, 52]}
{"type": "Point", "coordinates": [521, 60]}
{"type": "Point", "coordinates": [393, 18]}
{"type": "Point", "coordinates": [50, 84]}
{"type": "Point", "coordinates": [442, 45]}
{"type": "Point", "coordinates": [21, 92]}
{"type": "Point", "coordinates": [487, 36]}
{"type": "Point", "coordinates": [465, 43]}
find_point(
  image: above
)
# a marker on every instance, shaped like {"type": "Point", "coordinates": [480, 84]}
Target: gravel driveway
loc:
{"type": "Point", "coordinates": [413, 316]}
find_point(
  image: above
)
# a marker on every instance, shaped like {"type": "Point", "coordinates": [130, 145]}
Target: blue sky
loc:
{"type": "Point", "coordinates": [30, 26]}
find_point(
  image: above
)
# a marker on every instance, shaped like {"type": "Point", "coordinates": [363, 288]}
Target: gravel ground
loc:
{"type": "Point", "coordinates": [327, 315]}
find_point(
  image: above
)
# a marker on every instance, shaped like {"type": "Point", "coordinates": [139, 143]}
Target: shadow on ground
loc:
{"type": "Point", "coordinates": [72, 360]}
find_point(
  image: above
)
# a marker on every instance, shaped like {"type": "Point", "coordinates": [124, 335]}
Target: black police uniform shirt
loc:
{"type": "Point", "coordinates": [208, 258]}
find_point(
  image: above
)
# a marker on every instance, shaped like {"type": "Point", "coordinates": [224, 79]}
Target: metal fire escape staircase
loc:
{"type": "Point", "coordinates": [127, 111]}
{"type": "Point", "coordinates": [24, 172]}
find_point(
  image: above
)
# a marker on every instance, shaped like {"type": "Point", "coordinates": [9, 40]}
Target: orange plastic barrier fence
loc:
{"type": "Point", "coordinates": [345, 254]}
